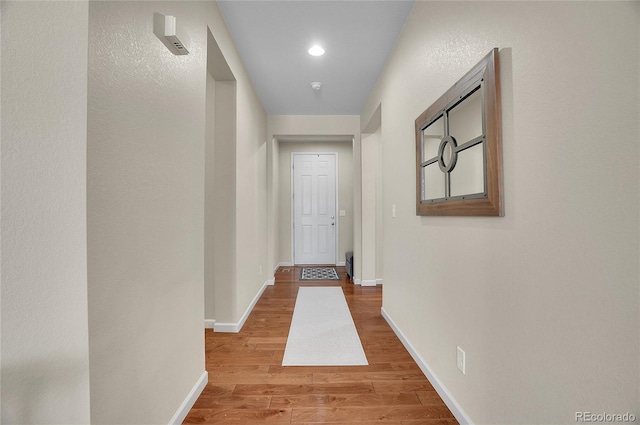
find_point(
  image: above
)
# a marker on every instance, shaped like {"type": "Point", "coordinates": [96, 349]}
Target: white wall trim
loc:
{"type": "Point", "coordinates": [188, 402]}
{"type": "Point", "coordinates": [227, 327]}
{"type": "Point", "coordinates": [271, 281]}
{"type": "Point", "coordinates": [356, 281]}
{"type": "Point", "coordinates": [378, 281]}
{"type": "Point", "coordinates": [372, 282]}
{"type": "Point", "coordinates": [442, 391]}
{"type": "Point", "coordinates": [341, 263]}
{"type": "Point", "coordinates": [236, 327]}
{"type": "Point", "coordinates": [209, 323]}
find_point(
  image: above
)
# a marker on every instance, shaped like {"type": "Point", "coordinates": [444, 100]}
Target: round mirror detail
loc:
{"type": "Point", "coordinates": [447, 155]}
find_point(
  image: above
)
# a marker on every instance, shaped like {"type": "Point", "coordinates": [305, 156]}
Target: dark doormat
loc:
{"type": "Point", "coordinates": [319, 273]}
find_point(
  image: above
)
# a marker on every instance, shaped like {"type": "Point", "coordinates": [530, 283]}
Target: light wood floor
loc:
{"type": "Point", "coordinates": [248, 384]}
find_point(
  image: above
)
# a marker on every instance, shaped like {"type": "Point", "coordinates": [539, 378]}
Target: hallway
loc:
{"type": "Point", "coordinates": [145, 196]}
{"type": "Point", "coordinates": [247, 383]}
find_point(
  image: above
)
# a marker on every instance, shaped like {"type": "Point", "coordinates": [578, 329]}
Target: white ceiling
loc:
{"type": "Point", "coordinates": [273, 38]}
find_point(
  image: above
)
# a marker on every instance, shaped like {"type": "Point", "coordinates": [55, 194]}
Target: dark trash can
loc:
{"type": "Point", "coordinates": [348, 264]}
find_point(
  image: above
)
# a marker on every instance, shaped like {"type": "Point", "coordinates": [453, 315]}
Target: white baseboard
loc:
{"type": "Point", "coordinates": [209, 323]}
{"type": "Point", "coordinates": [188, 402]}
{"type": "Point", "coordinates": [235, 327]}
{"type": "Point", "coordinates": [289, 264]}
{"type": "Point", "coordinates": [227, 327]}
{"type": "Point", "coordinates": [446, 396]}
{"type": "Point", "coordinates": [372, 282]}
{"type": "Point", "coordinates": [271, 281]}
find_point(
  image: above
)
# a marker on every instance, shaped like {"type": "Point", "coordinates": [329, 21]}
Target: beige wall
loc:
{"type": "Point", "coordinates": [145, 212]}
{"type": "Point", "coordinates": [373, 201]}
{"type": "Point", "coordinates": [45, 352]}
{"type": "Point", "coordinates": [220, 193]}
{"type": "Point", "coordinates": [251, 190]}
{"type": "Point", "coordinates": [146, 171]}
{"type": "Point", "coordinates": [544, 300]}
{"type": "Point", "coordinates": [345, 194]}
{"type": "Point", "coordinates": [110, 148]}
{"type": "Point", "coordinates": [372, 231]}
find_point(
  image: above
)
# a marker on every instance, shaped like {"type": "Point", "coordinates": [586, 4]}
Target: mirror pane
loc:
{"type": "Point", "coordinates": [432, 182]}
{"type": "Point", "coordinates": [431, 137]}
{"type": "Point", "coordinates": [468, 175]}
{"type": "Point", "coordinates": [465, 119]}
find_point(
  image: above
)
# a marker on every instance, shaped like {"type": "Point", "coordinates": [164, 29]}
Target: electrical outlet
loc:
{"type": "Point", "coordinates": [393, 211]}
{"type": "Point", "coordinates": [260, 270]}
{"type": "Point", "coordinates": [460, 360]}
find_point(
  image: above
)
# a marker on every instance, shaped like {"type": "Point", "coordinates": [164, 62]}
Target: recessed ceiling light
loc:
{"type": "Point", "coordinates": [316, 51]}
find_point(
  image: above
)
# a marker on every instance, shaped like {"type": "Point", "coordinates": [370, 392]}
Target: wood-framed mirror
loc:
{"type": "Point", "coordinates": [459, 147]}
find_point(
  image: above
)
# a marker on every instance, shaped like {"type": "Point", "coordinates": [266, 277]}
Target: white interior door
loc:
{"type": "Point", "coordinates": [314, 208]}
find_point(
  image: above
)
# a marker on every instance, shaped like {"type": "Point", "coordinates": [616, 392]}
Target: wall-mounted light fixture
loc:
{"type": "Point", "coordinates": [165, 28]}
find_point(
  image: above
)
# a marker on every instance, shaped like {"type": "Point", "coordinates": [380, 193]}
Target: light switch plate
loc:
{"type": "Point", "coordinates": [343, 213]}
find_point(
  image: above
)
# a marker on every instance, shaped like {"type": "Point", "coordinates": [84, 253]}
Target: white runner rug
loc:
{"type": "Point", "coordinates": [322, 331]}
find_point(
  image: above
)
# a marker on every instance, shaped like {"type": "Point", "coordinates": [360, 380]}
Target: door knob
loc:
{"type": "Point", "coordinates": [333, 224]}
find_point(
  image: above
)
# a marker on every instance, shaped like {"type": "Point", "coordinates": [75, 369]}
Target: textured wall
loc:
{"type": "Point", "coordinates": [210, 203]}
{"type": "Point", "coordinates": [236, 186]}
{"type": "Point", "coordinates": [222, 190]}
{"type": "Point", "coordinates": [544, 300]}
{"type": "Point", "coordinates": [145, 211]}
{"type": "Point", "coordinates": [146, 168]}
{"type": "Point", "coordinates": [372, 242]}
{"type": "Point", "coordinates": [251, 190]}
{"type": "Point", "coordinates": [45, 353]}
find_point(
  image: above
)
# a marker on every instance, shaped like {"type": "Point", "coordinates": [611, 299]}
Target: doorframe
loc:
{"type": "Point", "coordinates": [293, 223]}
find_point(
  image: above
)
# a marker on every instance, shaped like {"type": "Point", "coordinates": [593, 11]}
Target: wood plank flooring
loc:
{"type": "Point", "coordinates": [248, 384]}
